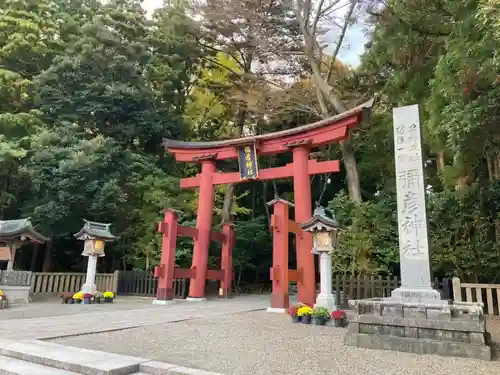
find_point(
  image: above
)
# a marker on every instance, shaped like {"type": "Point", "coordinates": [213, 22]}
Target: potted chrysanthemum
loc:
{"type": "Point", "coordinates": [67, 297]}
{"type": "Point", "coordinates": [78, 297]}
{"type": "Point", "coordinates": [293, 312]}
{"type": "Point", "coordinates": [98, 296]}
{"type": "Point", "coordinates": [3, 300]}
{"type": "Point", "coordinates": [339, 317]}
{"type": "Point", "coordinates": [320, 315]}
{"type": "Point", "coordinates": [305, 313]}
{"type": "Point", "coordinates": [87, 298]}
{"type": "Point", "coordinates": [108, 296]}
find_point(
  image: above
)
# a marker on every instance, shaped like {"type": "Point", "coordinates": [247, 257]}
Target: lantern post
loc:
{"type": "Point", "coordinates": [325, 237]}
{"type": "Point", "coordinates": [95, 235]}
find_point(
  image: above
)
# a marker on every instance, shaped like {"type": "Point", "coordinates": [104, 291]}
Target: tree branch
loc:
{"type": "Point", "coordinates": [341, 39]}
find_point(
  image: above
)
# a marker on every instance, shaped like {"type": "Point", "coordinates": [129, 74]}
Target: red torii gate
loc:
{"type": "Point", "coordinates": [300, 141]}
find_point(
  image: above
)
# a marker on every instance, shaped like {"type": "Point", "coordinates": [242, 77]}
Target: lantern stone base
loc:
{"type": "Point", "coordinates": [89, 288]}
{"type": "Point", "coordinates": [326, 300]}
{"type": "Point", "coordinates": [443, 329]}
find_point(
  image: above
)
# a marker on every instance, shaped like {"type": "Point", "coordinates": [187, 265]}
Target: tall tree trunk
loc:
{"type": "Point", "coordinates": [348, 156]}
{"type": "Point", "coordinates": [440, 161]}
{"type": "Point", "coordinates": [228, 203]}
{"type": "Point", "coordinates": [34, 255]}
{"type": "Point", "coordinates": [496, 163]}
{"type": "Point", "coordinates": [229, 193]}
{"type": "Point", "coordinates": [47, 259]}
{"type": "Point", "coordinates": [351, 169]}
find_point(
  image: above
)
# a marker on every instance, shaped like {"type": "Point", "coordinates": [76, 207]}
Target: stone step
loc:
{"type": "Point", "coordinates": [12, 366]}
{"type": "Point", "coordinates": [83, 361]}
{"type": "Point", "coordinates": [69, 360]}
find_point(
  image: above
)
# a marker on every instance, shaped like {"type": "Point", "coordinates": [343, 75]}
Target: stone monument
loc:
{"type": "Point", "coordinates": [415, 318]}
{"type": "Point", "coordinates": [95, 235]}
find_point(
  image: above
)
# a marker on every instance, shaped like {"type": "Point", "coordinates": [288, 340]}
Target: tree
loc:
{"type": "Point", "coordinates": [312, 17]}
{"type": "Point", "coordinates": [28, 43]}
{"type": "Point", "coordinates": [107, 101]}
{"type": "Point", "coordinates": [253, 35]}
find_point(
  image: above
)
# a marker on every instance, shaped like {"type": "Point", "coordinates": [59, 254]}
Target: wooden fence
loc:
{"type": "Point", "coordinates": [139, 283]}
{"type": "Point", "coordinates": [486, 294]}
{"type": "Point", "coordinates": [55, 283]}
{"type": "Point", "coordinates": [348, 287]}
{"type": "Point", "coordinates": [344, 287]}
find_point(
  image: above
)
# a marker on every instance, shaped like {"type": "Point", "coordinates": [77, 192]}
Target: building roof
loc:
{"type": "Point", "coordinates": [172, 143]}
{"type": "Point", "coordinates": [320, 220]}
{"type": "Point", "coordinates": [92, 229]}
{"type": "Point", "coordinates": [11, 230]}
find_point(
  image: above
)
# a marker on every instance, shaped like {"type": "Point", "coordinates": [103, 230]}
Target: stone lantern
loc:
{"type": "Point", "coordinates": [325, 236]}
{"type": "Point", "coordinates": [95, 235]}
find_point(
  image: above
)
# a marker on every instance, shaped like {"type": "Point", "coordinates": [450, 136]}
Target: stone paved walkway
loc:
{"type": "Point", "coordinates": [102, 320]}
{"type": "Point", "coordinates": [262, 343]}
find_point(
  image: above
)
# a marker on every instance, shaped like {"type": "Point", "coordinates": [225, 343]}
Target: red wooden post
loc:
{"type": "Point", "coordinates": [165, 271]}
{"type": "Point", "coordinates": [204, 227]}
{"type": "Point", "coordinates": [227, 258]}
{"type": "Point", "coordinates": [303, 212]}
{"type": "Point", "coordinates": [279, 271]}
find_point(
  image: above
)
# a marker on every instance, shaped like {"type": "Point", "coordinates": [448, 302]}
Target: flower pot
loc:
{"type": "Point", "coordinates": [339, 322]}
{"type": "Point", "coordinates": [86, 301]}
{"type": "Point", "coordinates": [97, 300]}
{"type": "Point", "coordinates": [320, 321]}
{"type": "Point", "coordinates": [306, 319]}
{"type": "Point", "coordinates": [108, 300]}
{"type": "Point", "coordinates": [296, 318]}
{"type": "Point", "coordinates": [77, 301]}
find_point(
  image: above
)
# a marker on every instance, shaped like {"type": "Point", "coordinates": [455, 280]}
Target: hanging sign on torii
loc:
{"type": "Point", "coordinates": [248, 163]}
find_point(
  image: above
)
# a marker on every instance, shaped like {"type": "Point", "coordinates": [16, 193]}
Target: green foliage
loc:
{"type": "Point", "coordinates": [369, 243]}
{"type": "Point", "coordinates": [252, 254]}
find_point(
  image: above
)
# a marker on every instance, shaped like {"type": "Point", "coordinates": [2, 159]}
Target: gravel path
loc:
{"type": "Point", "coordinates": [260, 343]}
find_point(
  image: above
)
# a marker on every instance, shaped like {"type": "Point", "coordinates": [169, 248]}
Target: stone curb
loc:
{"type": "Point", "coordinates": [88, 362]}
{"type": "Point", "coordinates": [162, 368]}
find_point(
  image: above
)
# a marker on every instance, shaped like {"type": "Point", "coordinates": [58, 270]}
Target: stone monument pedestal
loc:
{"type": "Point", "coordinates": [440, 328]}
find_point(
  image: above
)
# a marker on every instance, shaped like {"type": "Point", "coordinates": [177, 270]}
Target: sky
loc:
{"type": "Point", "coordinates": [352, 48]}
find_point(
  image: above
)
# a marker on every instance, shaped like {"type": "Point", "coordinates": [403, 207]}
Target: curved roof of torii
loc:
{"type": "Point", "coordinates": [320, 133]}
{"type": "Point", "coordinates": [360, 109]}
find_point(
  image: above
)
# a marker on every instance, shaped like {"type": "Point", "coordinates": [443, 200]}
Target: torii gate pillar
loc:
{"type": "Point", "coordinates": [204, 227]}
{"type": "Point", "coordinates": [303, 210]}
